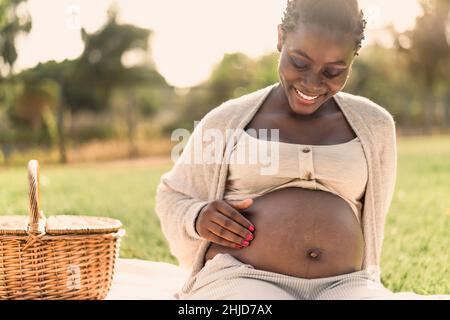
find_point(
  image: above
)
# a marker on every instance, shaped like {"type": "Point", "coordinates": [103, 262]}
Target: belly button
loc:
{"type": "Point", "coordinates": [314, 253]}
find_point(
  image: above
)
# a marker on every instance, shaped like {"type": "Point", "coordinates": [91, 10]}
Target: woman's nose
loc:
{"type": "Point", "coordinates": [313, 83]}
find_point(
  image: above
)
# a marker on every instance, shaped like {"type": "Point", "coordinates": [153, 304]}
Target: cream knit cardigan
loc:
{"type": "Point", "coordinates": [187, 187]}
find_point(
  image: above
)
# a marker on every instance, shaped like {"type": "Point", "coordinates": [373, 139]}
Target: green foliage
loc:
{"type": "Point", "coordinates": [100, 66]}
{"type": "Point", "coordinates": [411, 80]}
{"type": "Point", "coordinates": [12, 23]}
{"type": "Point", "coordinates": [429, 48]}
{"type": "Point", "coordinates": [94, 127]}
{"type": "Point", "coordinates": [427, 51]}
{"type": "Point", "coordinates": [234, 76]}
{"type": "Point", "coordinates": [379, 74]}
{"type": "Point", "coordinates": [45, 96]}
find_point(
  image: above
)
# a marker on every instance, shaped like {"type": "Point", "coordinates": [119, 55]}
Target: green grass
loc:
{"type": "Point", "coordinates": [416, 254]}
{"type": "Point", "coordinates": [127, 194]}
{"type": "Point", "coordinates": [417, 235]}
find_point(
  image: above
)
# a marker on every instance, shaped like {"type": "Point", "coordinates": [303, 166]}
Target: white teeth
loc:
{"type": "Point", "coordinates": [306, 97]}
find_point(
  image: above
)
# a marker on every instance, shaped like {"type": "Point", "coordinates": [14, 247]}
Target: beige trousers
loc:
{"type": "Point", "coordinates": [226, 278]}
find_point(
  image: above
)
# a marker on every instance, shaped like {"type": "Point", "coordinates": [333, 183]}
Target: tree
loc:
{"type": "Point", "coordinates": [428, 50]}
{"type": "Point", "coordinates": [50, 90]}
{"type": "Point", "coordinates": [13, 21]}
{"type": "Point", "coordinates": [43, 100]}
{"type": "Point", "coordinates": [100, 65]}
{"type": "Point", "coordinates": [235, 75]}
{"type": "Point", "coordinates": [100, 68]}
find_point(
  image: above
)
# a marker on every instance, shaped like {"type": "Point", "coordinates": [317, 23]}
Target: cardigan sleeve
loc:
{"type": "Point", "coordinates": [388, 176]}
{"type": "Point", "coordinates": [182, 192]}
{"type": "Point", "coordinates": [389, 163]}
{"type": "Point", "coordinates": [177, 212]}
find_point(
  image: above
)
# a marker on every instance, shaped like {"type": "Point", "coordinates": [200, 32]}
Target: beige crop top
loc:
{"type": "Point", "coordinates": [258, 166]}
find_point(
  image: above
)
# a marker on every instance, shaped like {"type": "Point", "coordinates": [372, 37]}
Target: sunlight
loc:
{"type": "Point", "coordinates": [189, 36]}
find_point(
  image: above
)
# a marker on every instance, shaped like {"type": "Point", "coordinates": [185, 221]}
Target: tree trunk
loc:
{"type": "Point", "coordinates": [130, 117]}
{"type": "Point", "coordinates": [446, 113]}
{"type": "Point", "coordinates": [429, 106]}
{"type": "Point", "coordinates": [60, 125]}
{"type": "Point", "coordinates": [406, 110]}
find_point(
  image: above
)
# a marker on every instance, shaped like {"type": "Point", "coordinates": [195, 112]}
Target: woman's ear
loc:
{"type": "Point", "coordinates": [280, 38]}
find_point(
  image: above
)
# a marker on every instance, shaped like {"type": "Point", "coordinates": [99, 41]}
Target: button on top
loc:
{"type": "Point", "coordinates": [306, 150]}
{"type": "Point", "coordinates": [307, 175]}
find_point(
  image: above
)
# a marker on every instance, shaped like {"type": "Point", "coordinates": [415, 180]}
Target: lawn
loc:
{"type": "Point", "coordinates": [416, 251]}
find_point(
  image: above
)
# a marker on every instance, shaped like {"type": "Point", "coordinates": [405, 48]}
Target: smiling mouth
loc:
{"type": "Point", "coordinates": [305, 97]}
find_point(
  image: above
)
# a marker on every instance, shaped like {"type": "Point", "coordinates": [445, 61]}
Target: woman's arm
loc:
{"type": "Point", "coordinates": [177, 213]}
{"type": "Point", "coordinates": [183, 191]}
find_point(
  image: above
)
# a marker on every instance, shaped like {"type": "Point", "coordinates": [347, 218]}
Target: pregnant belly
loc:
{"type": "Point", "coordinates": [302, 233]}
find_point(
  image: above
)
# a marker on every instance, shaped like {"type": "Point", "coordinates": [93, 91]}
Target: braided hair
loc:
{"type": "Point", "coordinates": [343, 15]}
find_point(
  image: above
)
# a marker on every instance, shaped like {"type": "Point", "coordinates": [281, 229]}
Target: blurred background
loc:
{"type": "Point", "coordinates": [94, 89]}
{"type": "Point", "coordinates": [99, 80]}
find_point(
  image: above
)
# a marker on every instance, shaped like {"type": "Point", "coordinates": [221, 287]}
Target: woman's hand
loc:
{"type": "Point", "coordinates": [221, 222]}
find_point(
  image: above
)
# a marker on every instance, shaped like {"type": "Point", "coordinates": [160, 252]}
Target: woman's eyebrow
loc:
{"type": "Point", "coordinates": [303, 54]}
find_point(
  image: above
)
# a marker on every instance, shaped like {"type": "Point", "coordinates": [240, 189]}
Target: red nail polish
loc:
{"type": "Point", "coordinates": [251, 228]}
{"type": "Point", "coordinates": [245, 243]}
{"type": "Point", "coordinates": [249, 237]}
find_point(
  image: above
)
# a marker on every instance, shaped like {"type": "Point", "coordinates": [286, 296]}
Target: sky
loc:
{"type": "Point", "coordinates": [189, 36]}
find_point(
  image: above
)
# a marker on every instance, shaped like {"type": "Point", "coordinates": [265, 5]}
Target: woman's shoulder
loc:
{"type": "Point", "coordinates": [366, 107]}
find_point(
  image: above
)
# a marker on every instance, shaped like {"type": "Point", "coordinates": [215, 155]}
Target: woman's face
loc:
{"type": "Point", "coordinates": [314, 65]}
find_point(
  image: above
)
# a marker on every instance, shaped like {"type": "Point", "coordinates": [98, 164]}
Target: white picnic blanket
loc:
{"type": "Point", "coordinates": [146, 280]}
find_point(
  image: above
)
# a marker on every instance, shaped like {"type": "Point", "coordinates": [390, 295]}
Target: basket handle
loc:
{"type": "Point", "coordinates": [33, 196]}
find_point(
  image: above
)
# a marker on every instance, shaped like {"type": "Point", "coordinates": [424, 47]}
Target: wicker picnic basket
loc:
{"type": "Point", "coordinates": [60, 257]}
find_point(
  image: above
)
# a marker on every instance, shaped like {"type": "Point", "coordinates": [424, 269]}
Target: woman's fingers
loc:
{"type": "Point", "coordinates": [221, 223]}
{"type": "Point", "coordinates": [227, 237]}
{"type": "Point", "coordinates": [229, 209]}
{"type": "Point", "coordinates": [230, 225]}
{"type": "Point", "coordinates": [221, 241]}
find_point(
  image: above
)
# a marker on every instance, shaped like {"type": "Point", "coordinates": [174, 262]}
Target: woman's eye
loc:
{"type": "Point", "coordinates": [298, 63]}
{"type": "Point", "coordinates": [332, 73]}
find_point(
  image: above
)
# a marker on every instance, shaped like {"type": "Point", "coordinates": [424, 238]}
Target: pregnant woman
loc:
{"type": "Point", "coordinates": [313, 228]}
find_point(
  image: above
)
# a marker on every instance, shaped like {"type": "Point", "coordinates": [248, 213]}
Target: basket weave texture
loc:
{"type": "Point", "coordinates": [62, 257]}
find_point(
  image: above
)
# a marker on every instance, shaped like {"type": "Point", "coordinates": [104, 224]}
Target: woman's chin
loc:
{"type": "Point", "coordinates": [307, 108]}
{"type": "Point", "coordinates": [302, 103]}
